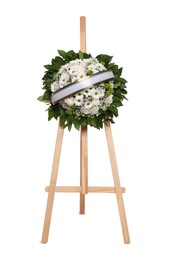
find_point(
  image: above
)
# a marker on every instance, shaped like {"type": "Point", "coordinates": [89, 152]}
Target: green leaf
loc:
{"type": "Point", "coordinates": [118, 103]}
{"type": "Point", "coordinates": [122, 80]}
{"type": "Point", "coordinates": [88, 120]}
{"type": "Point", "coordinates": [116, 85]}
{"type": "Point", "coordinates": [71, 55]}
{"type": "Point", "coordinates": [46, 96]}
{"type": "Point", "coordinates": [63, 120]}
{"type": "Point", "coordinates": [62, 54]}
{"type": "Point", "coordinates": [48, 66]}
{"type": "Point", "coordinates": [62, 111]}
{"type": "Point", "coordinates": [69, 125]}
{"type": "Point", "coordinates": [70, 118]}
{"type": "Point", "coordinates": [81, 55]}
{"type": "Point", "coordinates": [86, 55]}
{"type": "Point", "coordinates": [114, 110]}
{"type": "Point", "coordinates": [76, 124]}
{"type": "Point", "coordinates": [58, 61]}
{"type": "Point", "coordinates": [83, 121]}
{"type": "Point", "coordinates": [116, 98]}
{"type": "Point", "coordinates": [56, 111]}
{"type": "Point", "coordinates": [93, 122]}
{"type": "Point", "coordinates": [56, 64]}
{"type": "Point", "coordinates": [40, 98]}
{"type": "Point", "coordinates": [50, 114]}
{"type": "Point", "coordinates": [110, 65]}
{"type": "Point", "coordinates": [123, 97]}
{"type": "Point", "coordinates": [99, 121]}
{"type": "Point", "coordinates": [119, 72]}
{"type": "Point", "coordinates": [114, 69]}
{"type": "Point", "coordinates": [49, 75]}
{"type": "Point", "coordinates": [124, 91]}
{"type": "Point", "coordinates": [105, 58]}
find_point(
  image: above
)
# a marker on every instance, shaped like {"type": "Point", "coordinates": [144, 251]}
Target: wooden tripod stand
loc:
{"type": "Point", "coordinates": [83, 189]}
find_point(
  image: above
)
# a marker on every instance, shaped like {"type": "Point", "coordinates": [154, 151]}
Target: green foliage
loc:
{"type": "Point", "coordinates": [67, 117]}
{"type": "Point", "coordinates": [104, 59]}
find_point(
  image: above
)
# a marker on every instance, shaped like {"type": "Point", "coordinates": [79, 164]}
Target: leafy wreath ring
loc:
{"type": "Point", "coordinates": [82, 90]}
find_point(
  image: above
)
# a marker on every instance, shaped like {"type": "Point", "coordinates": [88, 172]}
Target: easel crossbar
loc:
{"type": "Point", "coordinates": [90, 189]}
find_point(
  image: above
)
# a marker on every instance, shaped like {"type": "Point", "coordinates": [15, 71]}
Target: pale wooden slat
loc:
{"type": "Point", "coordinates": [83, 33]}
{"type": "Point", "coordinates": [53, 180]}
{"type": "Point", "coordinates": [84, 160]}
{"type": "Point", "coordinates": [65, 189]}
{"type": "Point", "coordinates": [117, 183]}
{"type": "Point", "coordinates": [90, 189]}
{"type": "Point", "coordinates": [83, 133]}
{"type": "Point", "coordinates": [83, 167]}
{"type": "Point", "coordinates": [104, 189]}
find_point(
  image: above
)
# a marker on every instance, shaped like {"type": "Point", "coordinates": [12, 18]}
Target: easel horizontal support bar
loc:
{"type": "Point", "coordinates": [90, 189]}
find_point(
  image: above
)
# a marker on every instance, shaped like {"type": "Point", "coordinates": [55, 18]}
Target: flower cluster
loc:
{"type": "Point", "coordinates": [90, 101]}
{"type": "Point", "coordinates": [92, 106]}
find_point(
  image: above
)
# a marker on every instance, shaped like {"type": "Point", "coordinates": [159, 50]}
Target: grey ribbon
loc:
{"type": "Point", "coordinates": [73, 88]}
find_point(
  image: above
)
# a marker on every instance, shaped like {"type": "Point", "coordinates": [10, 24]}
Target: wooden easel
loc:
{"type": "Point", "coordinates": [83, 189]}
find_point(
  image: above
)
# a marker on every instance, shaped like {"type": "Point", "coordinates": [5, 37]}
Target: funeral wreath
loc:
{"type": "Point", "coordinates": [83, 90]}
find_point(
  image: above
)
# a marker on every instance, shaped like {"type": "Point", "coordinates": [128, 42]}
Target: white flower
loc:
{"type": "Point", "coordinates": [79, 96]}
{"type": "Point", "coordinates": [103, 106]}
{"type": "Point", "coordinates": [55, 86]}
{"type": "Point", "coordinates": [74, 78]}
{"type": "Point", "coordinates": [73, 62]}
{"type": "Point", "coordinates": [94, 110]}
{"type": "Point", "coordinates": [64, 105]}
{"type": "Point", "coordinates": [100, 67]}
{"type": "Point", "coordinates": [62, 69]}
{"type": "Point", "coordinates": [90, 61]}
{"type": "Point", "coordinates": [92, 68]}
{"type": "Point", "coordinates": [69, 101]}
{"type": "Point", "coordinates": [64, 79]}
{"type": "Point", "coordinates": [78, 113]}
{"type": "Point", "coordinates": [88, 91]}
{"type": "Point", "coordinates": [88, 105]}
{"type": "Point", "coordinates": [85, 110]}
{"type": "Point", "coordinates": [98, 92]}
{"type": "Point", "coordinates": [77, 69]}
{"type": "Point", "coordinates": [78, 102]}
{"type": "Point", "coordinates": [96, 102]}
{"type": "Point", "coordinates": [108, 100]}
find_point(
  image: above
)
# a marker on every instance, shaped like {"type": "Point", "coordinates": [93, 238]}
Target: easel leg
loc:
{"type": "Point", "coordinates": [53, 180]}
{"type": "Point", "coordinates": [117, 183]}
{"type": "Point", "coordinates": [83, 167]}
{"type": "Point", "coordinates": [83, 136]}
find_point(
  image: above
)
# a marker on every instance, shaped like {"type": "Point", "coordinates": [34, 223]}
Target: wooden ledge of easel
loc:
{"type": "Point", "coordinates": [90, 189]}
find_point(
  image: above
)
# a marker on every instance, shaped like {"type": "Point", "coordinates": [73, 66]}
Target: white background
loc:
{"type": "Point", "coordinates": [138, 35]}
